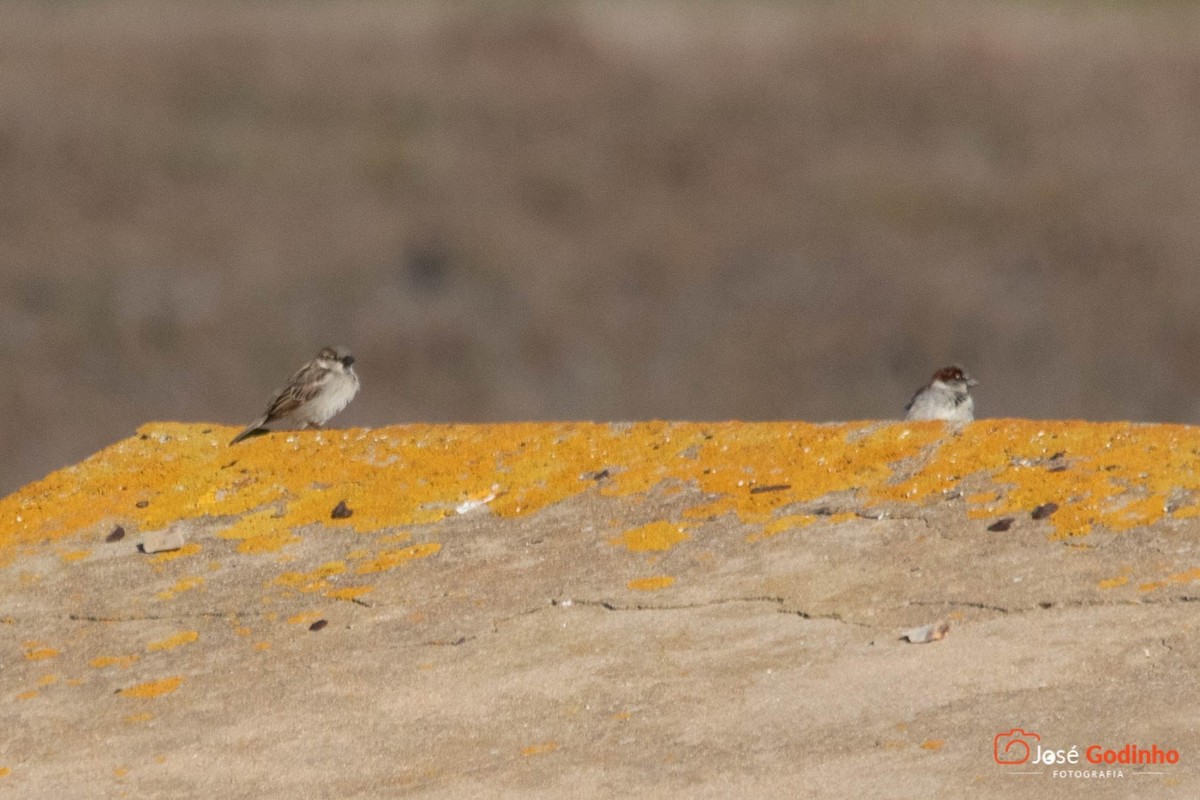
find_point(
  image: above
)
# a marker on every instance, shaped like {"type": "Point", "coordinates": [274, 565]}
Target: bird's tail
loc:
{"type": "Point", "coordinates": [250, 430]}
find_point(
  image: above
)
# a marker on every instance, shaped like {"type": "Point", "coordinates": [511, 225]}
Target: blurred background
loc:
{"type": "Point", "coordinates": [575, 210]}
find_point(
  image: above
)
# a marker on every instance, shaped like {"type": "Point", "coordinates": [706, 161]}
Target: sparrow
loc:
{"type": "Point", "coordinates": [318, 391]}
{"type": "Point", "coordinates": [946, 397]}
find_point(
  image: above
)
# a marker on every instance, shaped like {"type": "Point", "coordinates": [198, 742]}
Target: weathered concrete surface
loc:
{"type": "Point", "coordinates": [701, 610]}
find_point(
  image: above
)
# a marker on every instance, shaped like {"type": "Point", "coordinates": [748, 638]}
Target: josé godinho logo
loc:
{"type": "Point", "coordinates": [1015, 747]}
{"type": "Point", "coordinates": [1019, 746]}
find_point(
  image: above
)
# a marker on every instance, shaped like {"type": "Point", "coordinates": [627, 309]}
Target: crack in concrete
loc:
{"type": "Point", "coordinates": [608, 605]}
{"type": "Point", "coordinates": [1047, 605]}
{"type": "Point", "coordinates": [780, 602]}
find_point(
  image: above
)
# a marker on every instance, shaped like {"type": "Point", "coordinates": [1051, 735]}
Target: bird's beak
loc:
{"type": "Point", "coordinates": [348, 361]}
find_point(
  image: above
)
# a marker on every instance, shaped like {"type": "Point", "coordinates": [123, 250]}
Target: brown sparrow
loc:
{"type": "Point", "coordinates": [946, 397]}
{"type": "Point", "coordinates": [318, 391]}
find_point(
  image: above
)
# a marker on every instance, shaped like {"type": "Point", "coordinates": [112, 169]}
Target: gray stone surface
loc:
{"type": "Point", "coordinates": [516, 662]}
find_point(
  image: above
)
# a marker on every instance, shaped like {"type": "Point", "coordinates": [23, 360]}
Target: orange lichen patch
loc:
{"type": "Point", "coordinates": [933, 744]}
{"type": "Point", "coordinates": [153, 688]}
{"type": "Point", "coordinates": [47, 680]}
{"type": "Point", "coordinates": [120, 772]}
{"type": "Point", "coordinates": [390, 559]}
{"type": "Point", "coordinates": [349, 592]}
{"type": "Point", "coordinates": [651, 584]}
{"type": "Point", "coordinates": [659, 535]}
{"type": "Point", "coordinates": [173, 641]}
{"type": "Point", "coordinates": [539, 749]}
{"type": "Point", "coordinates": [304, 618]}
{"type": "Point", "coordinates": [1187, 576]}
{"type": "Point", "coordinates": [134, 719]}
{"type": "Point", "coordinates": [124, 662]}
{"type": "Point", "coordinates": [262, 646]}
{"type": "Point", "coordinates": [1118, 475]}
{"type": "Point", "coordinates": [261, 532]}
{"type": "Point", "coordinates": [1112, 583]}
{"type": "Point", "coordinates": [189, 549]}
{"type": "Point", "coordinates": [70, 556]}
{"type": "Point", "coordinates": [756, 469]}
{"type": "Point", "coordinates": [29, 695]}
{"type": "Point", "coordinates": [39, 653]}
{"type": "Point", "coordinates": [312, 581]}
{"type": "Point", "coordinates": [786, 523]}
{"type": "Point", "coordinates": [707, 511]}
{"type": "Point", "coordinates": [5, 772]}
{"type": "Point", "coordinates": [181, 585]}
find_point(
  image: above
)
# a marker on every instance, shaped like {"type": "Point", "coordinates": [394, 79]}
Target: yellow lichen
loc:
{"type": "Point", "coordinates": [349, 592]}
{"type": "Point", "coordinates": [153, 688]}
{"type": "Point", "coordinates": [651, 584]}
{"type": "Point", "coordinates": [181, 585]}
{"type": "Point", "coordinates": [1116, 475]}
{"type": "Point", "coordinates": [173, 641]}
{"type": "Point", "coordinates": [785, 523]}
{"type": "Point", "coordinates": [36, 653]}
{"type": "Point", "coordinates": [653, 536]}
{"type": "Point", "coordinates": [539, 749]}
{"type": "Point", "coordinates": [390, 559]}
{"type": "Point", "coordinates": [124, 662]}
{"type": "Point", "coordinates": [313, 580]}
{"type": "Point", "coordinates": [1187, 576]}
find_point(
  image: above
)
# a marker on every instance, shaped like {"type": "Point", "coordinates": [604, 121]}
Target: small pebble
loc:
{"type": "Point", "coordinates": [117, 535]}
{"type": "Point", "coordinates": [316, 626]}
{"type": "Point", "coordinates": [1001, 524]}
{"type": "Point", "coordinates": [161, 541]}
{"type": "Point", "coordinates": [927, 633]}
{"type": "Point", "coordinates": [341, 511]}
{"type": "Point", "coordinates": [1044, 510]}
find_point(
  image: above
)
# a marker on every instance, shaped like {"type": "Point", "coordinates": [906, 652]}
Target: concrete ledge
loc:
{"type": "Point", "coordinates": [699, 609]}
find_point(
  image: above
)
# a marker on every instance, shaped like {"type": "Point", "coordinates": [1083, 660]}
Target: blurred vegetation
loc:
{"type": "Point", "coordinates": [580, 210]}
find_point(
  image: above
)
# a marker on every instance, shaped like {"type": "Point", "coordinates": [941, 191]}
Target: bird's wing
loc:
{"type": "Point", "coordinates": [304, 386]}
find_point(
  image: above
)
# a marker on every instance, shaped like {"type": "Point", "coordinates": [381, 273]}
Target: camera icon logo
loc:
{"type": "Point", "coordinates": [1014, 747]}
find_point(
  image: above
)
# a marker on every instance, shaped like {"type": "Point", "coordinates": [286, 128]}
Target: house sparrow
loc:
{"type": "Point", "coordinates": [947, 397]}
{"type": "Point", "coordinates": [318, 391]}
